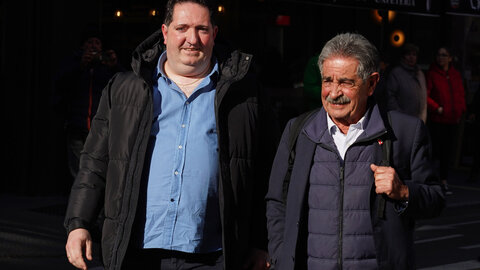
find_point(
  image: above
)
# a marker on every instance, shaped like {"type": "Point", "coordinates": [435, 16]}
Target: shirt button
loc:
{"type": "Point", "coordinates": [180, 147]}
{"type": "Point", "coordinates": [172, 200]}
{"type": "Point", "coordinates": [183, 125]}
{"type": "Point", "coordinates": [176, 172]}
{"type": "Point", "coordinates": [187, 102]}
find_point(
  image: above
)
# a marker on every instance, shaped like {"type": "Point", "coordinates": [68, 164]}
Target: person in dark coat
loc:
{"type": "Point", "coordinates": [406, 86]}
{"type": "Point", "coordinates": [178, 154]}
{"type": "Point", "coordinates": [345, 208]}
{"type": "Point", "coordinates": [78, 87]}
{"type": "Point", "coordinates": [312, 83]}
{"type": "Point", "coordinates": [474, 117]}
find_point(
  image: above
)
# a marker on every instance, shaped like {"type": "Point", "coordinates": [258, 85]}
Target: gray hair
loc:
{"type": "Point", "coordinates": [355, 46]}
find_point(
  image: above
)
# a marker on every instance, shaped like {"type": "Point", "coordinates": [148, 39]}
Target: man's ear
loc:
{"type": "Point", "coordinates": [215, 31]}
{"type": "Point", "coordinates": [372, 82]}
{"type": "Point", "coordinates": [375, 77]}
{"type": "Point", "coordinates": [164, 32]}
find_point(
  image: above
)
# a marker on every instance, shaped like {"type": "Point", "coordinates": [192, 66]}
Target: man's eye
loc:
{"type": "Point", "coordinates": [347, 84]}
{"type": "Point", "coordinates": [327, 84]}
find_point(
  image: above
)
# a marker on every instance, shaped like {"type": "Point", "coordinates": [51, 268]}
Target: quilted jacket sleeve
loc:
{"type": "Point", "coordinates": [426, 198]}
{"type": "Point", "coordinates": [275, 205]}
{"type": "Point", "coordinates": [87, 193]}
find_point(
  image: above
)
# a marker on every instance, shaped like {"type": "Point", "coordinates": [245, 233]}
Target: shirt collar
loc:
{"type": "Point", "coordinates": [163, 57]}
{"type": "Point", "coordinates": [159, 69]}
{"type": "Point", "coordinates": [360, 125]}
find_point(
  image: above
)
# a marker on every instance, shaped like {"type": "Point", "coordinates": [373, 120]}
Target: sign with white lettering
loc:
{"type": "Point", "coordinates": [425, 7]}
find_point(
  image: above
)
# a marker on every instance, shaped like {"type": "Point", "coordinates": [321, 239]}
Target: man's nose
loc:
{"type": "Point", "coordinates": [192, 36]}
{"type": "Point", "coordinates": [335, 90]}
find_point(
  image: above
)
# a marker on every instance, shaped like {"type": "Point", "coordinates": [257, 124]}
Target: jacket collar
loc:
{"type": "Point", "coordinates": [145, 56]}
{"type": "Point", "coordinates": [412, 70]}
{"type": "Point", "coordinates": [317, 131]}
{"type": "Point", "coordinates": [436, 68]}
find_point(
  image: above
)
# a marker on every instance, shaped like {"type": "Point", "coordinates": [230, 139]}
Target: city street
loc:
{"type": "Point", "coordinates": [32, 235]}
{"type": "Point", "coordinates": [452, 241]}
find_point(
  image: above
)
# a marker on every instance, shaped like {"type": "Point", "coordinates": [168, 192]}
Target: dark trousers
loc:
{"type": "Point", "coordinates": [160, 259]}
{"type": "Point", "coordinates": [75, 141]}
{"type": "Point", "coordinates": [475, 167]}
{"type": "Point", "coordinates": [443, 143]}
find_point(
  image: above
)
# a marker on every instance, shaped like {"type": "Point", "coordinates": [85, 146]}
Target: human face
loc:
{"type": "Point", "coordinates": [189, 39]}
{"type": "Point", "coordinates": [443, 58]}
{"type": "Point", "coordinates": [92, 44]}
{"type": "Point", "coordinates": [344, 93]}
{"type": "Point", "coordinates": [410, 58]}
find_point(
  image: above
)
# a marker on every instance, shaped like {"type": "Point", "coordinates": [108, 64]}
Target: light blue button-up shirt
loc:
{"type": "Point", "coordinates": [182, 208]}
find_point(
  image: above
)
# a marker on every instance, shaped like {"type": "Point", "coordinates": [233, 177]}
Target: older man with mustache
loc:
{"type": "Point", "coordinates": [345, 207]}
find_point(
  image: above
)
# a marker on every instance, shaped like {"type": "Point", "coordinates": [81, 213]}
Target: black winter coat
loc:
{"type": "Point", "coordinates": [113, 157]}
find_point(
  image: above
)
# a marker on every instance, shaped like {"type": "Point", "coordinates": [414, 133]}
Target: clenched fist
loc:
{"type": "Point", "coordinates": [387, 182]}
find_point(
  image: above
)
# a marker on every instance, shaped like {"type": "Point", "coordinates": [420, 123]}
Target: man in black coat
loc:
{"type": "Point", "coordinates": [179, 155]}
{"type": "Point", "coordinates": [78, 87]}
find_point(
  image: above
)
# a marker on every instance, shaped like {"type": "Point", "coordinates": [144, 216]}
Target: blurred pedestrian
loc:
{"type": "Point", "coordinates": [312, 84]}
{"type": "Point", "coordinates": [406, 86]}
{"type": "Point", "coordinates": [78, 87]}
{"type": "Point", "coordinates": [380, 93]}
{"type": "Point", "coordinates": [179, 154]}
{"type": "Point", "coordinates": [446, 105]}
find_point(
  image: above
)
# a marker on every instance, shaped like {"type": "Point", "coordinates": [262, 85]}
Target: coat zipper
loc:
{"type": "Point", "coordinates": [340, 227]}
{"type": "Point", "coordinates": [120, 243]}
{"type": "Point", "coordinates": [340, 210]}
{"type": "Point", "coordinates": [452, 96]}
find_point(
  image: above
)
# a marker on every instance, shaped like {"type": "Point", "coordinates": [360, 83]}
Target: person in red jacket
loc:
{"type": "Point", "coordinates": [446, 104]}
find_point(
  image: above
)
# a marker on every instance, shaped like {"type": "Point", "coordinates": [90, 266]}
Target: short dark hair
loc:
{"type": "Point", "coordinates": [171, 5]}
{"type": "Point", "coordinates": [446, 48]}
{"type": "Point", "coordinates": [90, 30]}
{"type": "Point", "coordinates": [410, 47]}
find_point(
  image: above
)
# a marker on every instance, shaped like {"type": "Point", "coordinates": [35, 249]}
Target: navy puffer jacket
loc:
{"type": "Point", "coordinates": [393, 236]}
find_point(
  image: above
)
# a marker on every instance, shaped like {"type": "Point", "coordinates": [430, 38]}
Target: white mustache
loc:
{"type": "Point", "coordinates": [339, 100]}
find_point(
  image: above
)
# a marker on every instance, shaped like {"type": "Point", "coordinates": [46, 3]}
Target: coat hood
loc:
{"type": "Point", "coordinates": [145, 56]}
